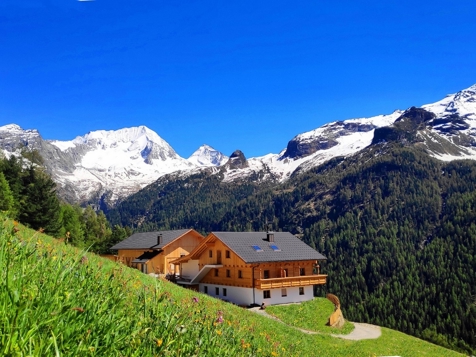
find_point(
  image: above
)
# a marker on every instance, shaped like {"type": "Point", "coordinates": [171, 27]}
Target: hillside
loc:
{"type": "Point", "coordinates": [396, 225]}
{"type": "Point", "coordinates": [56, 311]}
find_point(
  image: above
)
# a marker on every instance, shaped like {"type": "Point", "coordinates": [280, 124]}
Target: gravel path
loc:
{"type": "Point", "coordinates": [361, 331]}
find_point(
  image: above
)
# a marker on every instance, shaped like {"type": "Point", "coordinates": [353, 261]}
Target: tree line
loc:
{"type": "Point", "coordinates": [28, 194]}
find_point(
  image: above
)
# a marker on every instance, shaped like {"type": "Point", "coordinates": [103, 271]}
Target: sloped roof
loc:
{"type": "Point", "coordinates": [290, 247]}
{"type": "Point", "coordinates": [148, 240]}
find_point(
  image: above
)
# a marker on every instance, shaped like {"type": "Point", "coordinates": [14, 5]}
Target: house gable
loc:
{"type": "Point", "coordinates": [153, 252]}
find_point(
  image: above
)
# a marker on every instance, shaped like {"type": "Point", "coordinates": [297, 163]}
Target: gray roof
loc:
{"type": "Point", "coordinates": [290, 247]}
{"type": "Point", "coordinates": [148, 240]}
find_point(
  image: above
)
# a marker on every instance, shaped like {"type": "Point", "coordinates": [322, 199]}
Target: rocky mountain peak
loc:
{"type": "Point", "coordinates": [237, 160]}
{"type": "Point", "coordinates": [207, 156]}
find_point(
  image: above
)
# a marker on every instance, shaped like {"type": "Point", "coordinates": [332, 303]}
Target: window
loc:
{"type": "Point", "coordinates": [285, 273]}
{"type": "Point", "coordinates": [301, 291]}
{"type": "Point", "coordinates": [205, 289]}
{"type": "Point", "coordinates": [227, 254]}
{"type": "Point", "coordinates": [284, 292]}
{"type": "Point", "coordinates": [266, 274]}
{"type": "Point", "coordinates": [275, 248]}
{"type": "Point", "coordinates": [240, 274]}
{"type": "Point", "coordinates": [224, 292]}
{"type": "Point", "coordinates": [217, 291]}
{"type": "Point", "coordinates": [216, 272]}
{"type": "Point", "coordinates": [266, 294]}
{"type": "Point", "coordinates": [302, 271]}
{"type": "Point", "coordinates": [228, 273]}
{"type": "Point", "coordinates": [210, 254]}
{"type": "Point", "coordinates": [257, 248]}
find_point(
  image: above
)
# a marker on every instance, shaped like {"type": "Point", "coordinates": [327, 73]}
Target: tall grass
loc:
{"type": "Point", "coordinates": [56, 300]}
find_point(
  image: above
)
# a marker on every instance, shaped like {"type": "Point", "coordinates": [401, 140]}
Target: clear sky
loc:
{"type": "Point", "coordinates": [246, 75]}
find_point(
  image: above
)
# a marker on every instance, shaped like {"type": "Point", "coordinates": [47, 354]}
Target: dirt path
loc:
{"type": "Point", "coordinates": [361, 331]}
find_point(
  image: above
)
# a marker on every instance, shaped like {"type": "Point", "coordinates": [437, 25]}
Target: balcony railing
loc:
{"type": "Point", "coordinates": [290, 281]}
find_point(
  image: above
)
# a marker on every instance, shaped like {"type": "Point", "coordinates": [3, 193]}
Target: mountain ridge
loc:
{"type": "Point", "coordinates": [107, 166]}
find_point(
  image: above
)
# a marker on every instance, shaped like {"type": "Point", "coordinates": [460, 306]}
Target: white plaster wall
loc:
{"type": "Point", "coordinates": [236, 295]}
{"type": "Point", "coordinates": [189, 269]}
{"type": "Point", "coordinates": [292, 296]}
{"type": "Point", "coordinates": [244, 296]}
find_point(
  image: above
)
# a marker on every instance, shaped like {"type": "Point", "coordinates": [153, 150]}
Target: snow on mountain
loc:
{"type": "Point", "coordinates": [12, 136]}
{"type": "Point", "coordinates": [206, 156]}
{"type": "Point", "coordinates": [120, 161]}
{"type": "Point", "coordinates": [462, 103]}
{"type": "Point", "coordinates": [117, 163]}
{"type": "Point", "coordinates": [315, 147]}
{"type": "Point", "coordinates": [452, 133]}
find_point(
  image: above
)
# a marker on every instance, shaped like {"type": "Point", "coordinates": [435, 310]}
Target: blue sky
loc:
{"type": "Point", "coordinates": [245, 75]}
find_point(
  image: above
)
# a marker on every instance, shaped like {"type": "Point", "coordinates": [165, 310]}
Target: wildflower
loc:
{"type": "Point", "coordinates": [219, 319]}
{"type": "Point", "coordinates": [218, 332]}
{"type": "Point", "coordinates": [274, 353]}
{"type": "Point", "coordinates": [195, 299]}
{"type": "Point", "coordinates": [159, 342]}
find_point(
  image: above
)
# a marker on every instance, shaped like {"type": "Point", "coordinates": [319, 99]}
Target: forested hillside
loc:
{"type": "Point", "coordinates": [397, 226]}
{"type": "Point", "coordinates": [28, 194]}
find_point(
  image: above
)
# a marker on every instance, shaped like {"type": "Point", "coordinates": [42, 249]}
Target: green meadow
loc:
{"type": "Point", "coordinates": [56, 300]}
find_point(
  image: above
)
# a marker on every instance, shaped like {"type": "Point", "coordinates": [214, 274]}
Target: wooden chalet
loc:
{"type": "Point", "coordinates": [153, 252]}
{"type": "Point", "coordinates": [249, 268]}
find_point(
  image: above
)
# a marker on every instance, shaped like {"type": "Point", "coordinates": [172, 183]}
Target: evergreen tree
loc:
{"type": "Point", "coordinates": [72, 228]}
{"type": "Point", "coordinates": [6, 196]}
{"type": "Point", "coordinates": [40, 207]}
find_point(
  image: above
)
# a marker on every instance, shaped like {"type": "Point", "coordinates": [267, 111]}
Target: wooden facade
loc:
{"type": "Point", "coordinates": [225, 268]}
{"type": "Point", "coordinates": [161, 263]}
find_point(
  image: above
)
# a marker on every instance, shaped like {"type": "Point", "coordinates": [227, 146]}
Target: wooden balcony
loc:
{"type": "Point", "coordinates": [290, 281]}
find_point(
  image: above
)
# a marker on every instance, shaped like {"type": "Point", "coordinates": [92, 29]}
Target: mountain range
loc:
{"type": "Point", "coordinates": [107, 166]}
{"type": "Point", "coordinates": [389, 200]}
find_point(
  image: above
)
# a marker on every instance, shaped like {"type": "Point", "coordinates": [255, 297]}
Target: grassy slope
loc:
{"type": "Point", "coordinates": [55, 302]}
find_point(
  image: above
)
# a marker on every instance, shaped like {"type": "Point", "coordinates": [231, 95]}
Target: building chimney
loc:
{"type": "Point", "coordinates": [159, 239]}
{"type": "Point", "coordinates": [270, 236]}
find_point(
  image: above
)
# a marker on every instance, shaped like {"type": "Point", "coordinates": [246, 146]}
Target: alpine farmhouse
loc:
{"type": "Point", "coordinates": [153, 252]}
{"type": "Point", "coordinates": [252, 268]}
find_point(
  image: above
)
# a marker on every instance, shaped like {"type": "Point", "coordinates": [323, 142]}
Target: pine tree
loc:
{"type": "Point", "coordinates": [40, 207]}
{"type": "Point", "coordinates": [71, 225]}
{"type": "Point", "coordinates": [6, 196]}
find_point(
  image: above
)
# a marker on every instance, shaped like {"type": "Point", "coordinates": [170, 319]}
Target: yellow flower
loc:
{"type": "Point", "coordinates": [218, 332]}
{"type": "Point", "coordinates": [274, 353]}
{"type": "Point", "coordinates": [159, 342]}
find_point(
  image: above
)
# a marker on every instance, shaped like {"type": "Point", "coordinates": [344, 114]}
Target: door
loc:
{"type": "Point", "coordinates": [218, 256]}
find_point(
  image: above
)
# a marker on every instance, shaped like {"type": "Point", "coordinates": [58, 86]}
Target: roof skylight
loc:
{"type": "Point", "coordinates": [275, 248]}
{"type": "Point", "coordinates": [257, 248]}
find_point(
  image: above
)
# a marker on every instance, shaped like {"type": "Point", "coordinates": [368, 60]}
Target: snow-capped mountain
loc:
{"type": "Point", "coordinates": [462, 104]}
{"type": "Point", "coordinates": [207, 156]}
{"type": "Point", "coordinates": [114, 164]}
{"type": "Point", "coordinates": [111, 164]}
{"type": "Point", "coordinates": [450, 134]}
